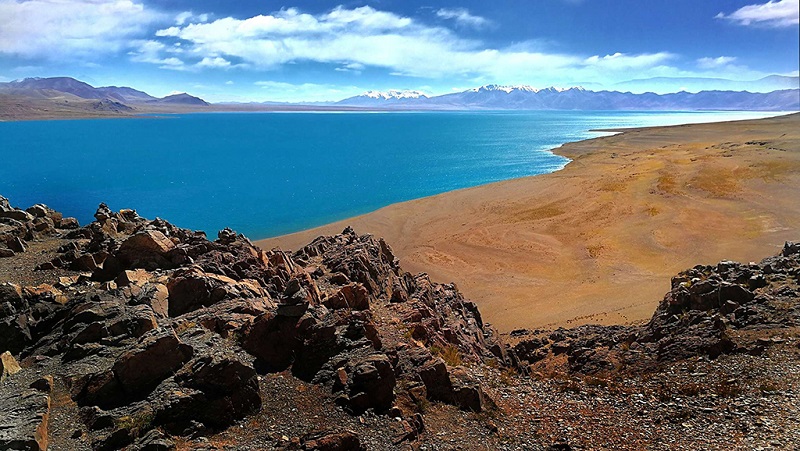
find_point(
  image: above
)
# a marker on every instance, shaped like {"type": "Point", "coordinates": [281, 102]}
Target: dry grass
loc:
{"type": "Point", "coordinates": [666, 184]}
{"type": "Point", "coordinates": [537, 213]}
{"type": "Point", "coordinates": [652, 210]}
{"type": "Point", "coordinates": [450, 354]}
{"type": "Point", "coordinates": [613, 186]}
{"type": "Point", "coordinates": [717, 182]}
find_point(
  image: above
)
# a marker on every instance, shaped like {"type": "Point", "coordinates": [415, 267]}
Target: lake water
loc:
{"type": "Point", "coordinates": [266, 174]}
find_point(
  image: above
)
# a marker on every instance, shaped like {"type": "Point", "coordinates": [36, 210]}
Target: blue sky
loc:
{"type": "Point", "coordinates": [226, 50]}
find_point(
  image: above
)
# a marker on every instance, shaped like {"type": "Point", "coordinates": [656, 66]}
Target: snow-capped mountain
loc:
{"type": "Point", "coordinates": [524, 97]}
{"type": "Point", "coordinates": [508, 89]}
{"type": "Point", "coordinates": [371, 98]}
{"type": "Point", "coordinates": [394, 94]}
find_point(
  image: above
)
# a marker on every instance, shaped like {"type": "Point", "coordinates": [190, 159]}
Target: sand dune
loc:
{"type": "Point", "coordinates": [598, 241]}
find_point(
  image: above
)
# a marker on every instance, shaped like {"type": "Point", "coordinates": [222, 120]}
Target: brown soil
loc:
{"type": "Point", "coordinates": [598, 241]}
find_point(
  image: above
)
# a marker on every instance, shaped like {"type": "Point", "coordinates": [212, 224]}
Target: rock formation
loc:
{"type": "Point", "coordinates": [157, 327]}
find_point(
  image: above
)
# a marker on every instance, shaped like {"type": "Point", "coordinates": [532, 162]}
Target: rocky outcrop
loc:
{"type": "Point", "coordinates": [696, 318]}
{"type": "Point", "coordinates": [159, 327]}
{"type": "Point", "coordinates": [18, 227]}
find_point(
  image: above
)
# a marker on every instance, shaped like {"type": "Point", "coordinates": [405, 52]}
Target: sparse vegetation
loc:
{"type": "Point", "coordinates": [450, 354]}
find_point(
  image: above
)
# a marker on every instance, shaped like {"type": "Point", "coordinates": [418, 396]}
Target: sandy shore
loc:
{"type": "Point", "coordinates": [598, 241]}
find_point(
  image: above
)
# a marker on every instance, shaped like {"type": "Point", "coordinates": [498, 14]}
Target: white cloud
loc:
{"type": "Point", "coordinates": [353, 39]}
{"type": "Point", "coordinates": [71, 29]}
{"type": "Point", "coordinates": [351, 67]}
{"type": "Point", "coordinates": [153, 52]}
{"type": "Point", "coordinates": [712, 63]}
{"type": "Point", "coordinates": [462, 17]}
{"type": "Point", "coordinates": [781, 13]}
{"type": "Point", "coordinates": [188, 16]}
{"type": "Point", "coordinates": [229, 82]}
{"type": "Point", "coordinates": [215, 62]}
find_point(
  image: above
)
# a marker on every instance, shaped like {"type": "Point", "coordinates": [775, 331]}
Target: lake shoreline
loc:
{"type": "Point", "coordinates": [601, 237]}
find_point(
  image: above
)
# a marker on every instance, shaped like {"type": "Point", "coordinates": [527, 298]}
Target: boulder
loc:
{"type": "Point", "coordinates": [135, 373]}
{"type": "Point", "coordinates": [16, 244]}
{"type": "Point", "coordinates": [136, 277]}
{"type": "Point", "coordinates": [227, 388]}
{"type": "Point", "coordinates": [146, 249]}
{"type": "Point", "coordinates": [19, 215]}
{"type": "Point", "coordinates": [8, 366]}
{"type": "Point", "coordinates": [156, 357]}
{"type": "Point", "coordinates": [192, 288]}
{"type": "Point", "coordinates": [68, 223]}
{"type": "Point", "coordinates": [367, 383]}
{"type": "Point", "coordinates": [351, 296]}
{"type": "Point", "coordinates": [155, 295]}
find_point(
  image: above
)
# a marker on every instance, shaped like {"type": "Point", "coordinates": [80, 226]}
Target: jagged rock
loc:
{"type": "Point", "coordinates": [320, 312]}
{"type": "Point", "coordinates": [353, 296]}
{"type": "Point", "coordinates": [136, 372]}
{"type": "Point", "coordinates": [19, 215]}
{"type": "Point", "coordinates": [191, 289]}
{"type": "Point", "coordinates": [8, 366]}
{"type": "Point", "coordinates": [24, 418]}
{"type": "Point", "coordinates": [367, 383]}
{"type": "Point", "coordinates": [271, 338]}
{"type": "Point", "coordinates": [68, 223]}
{"type": "Point", "coordinates": [226, 236]}
{"type": "Point", "coordinates": [227, 390]}
{"type": "Point", "coordinates": [103, 213]}
{"type": "Point", "coordinates": [6, 253]}
{"type": "Point", "coordinates": [154, 295]}
{"type": "Point", "coordinates": [467, 392]}
{"type": "Point", "coordinates": [146, 249]}
{"type": "Point", "coordinates": [136, 277]}
{"type": "Point", "coordinates": [16, 244]}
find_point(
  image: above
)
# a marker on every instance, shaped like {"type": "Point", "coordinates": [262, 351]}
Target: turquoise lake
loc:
{"type": "Point", "coordinates": [266, 174]}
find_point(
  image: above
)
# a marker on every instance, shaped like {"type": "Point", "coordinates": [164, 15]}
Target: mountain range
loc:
{"type": "Point", "coordinates": [523, 97]}
{"type": "Point", "coordinates": [65, 97]}
{"type": "Point", "coordinates": [63, 87]}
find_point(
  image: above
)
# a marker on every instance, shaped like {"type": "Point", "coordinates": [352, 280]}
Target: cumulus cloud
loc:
{"type": "Point", "coordinates": [215, 62]}
{"type": "Point", "coordinates": [712, 63]}
{"type": "Point", "coordinates": [353, 39]}
{"type": "Point", "coordinates": [781, 13]}
{"type": "Point", "coordinates": [153, 52]}
{"type": "Point", "coordinates": [462, 17]}
{"type": "Point", "coordinates": [71, 29]}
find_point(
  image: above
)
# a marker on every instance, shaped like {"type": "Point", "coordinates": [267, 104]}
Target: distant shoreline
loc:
{"type": "Point", "coordinates": [596, 241]}
{"type": "Point", "coordinates": [47, 110]}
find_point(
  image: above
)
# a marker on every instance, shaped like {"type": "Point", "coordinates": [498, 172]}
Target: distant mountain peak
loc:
{"type": "Point", "coordinates": [395, 94]}
{"type": "Point", "coordinates": [183, 98]}
{"type": "Point", "coordinates": [523, 88]}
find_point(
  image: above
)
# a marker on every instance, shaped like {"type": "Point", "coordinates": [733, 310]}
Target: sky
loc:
{"type": "Point", "coordinates": [313, 50]}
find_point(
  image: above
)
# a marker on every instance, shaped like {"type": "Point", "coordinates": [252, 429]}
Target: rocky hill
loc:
{"type": "Point", "coordinates": [134, 333]}
{"type": "Point", "coordinates": [65, 97]}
